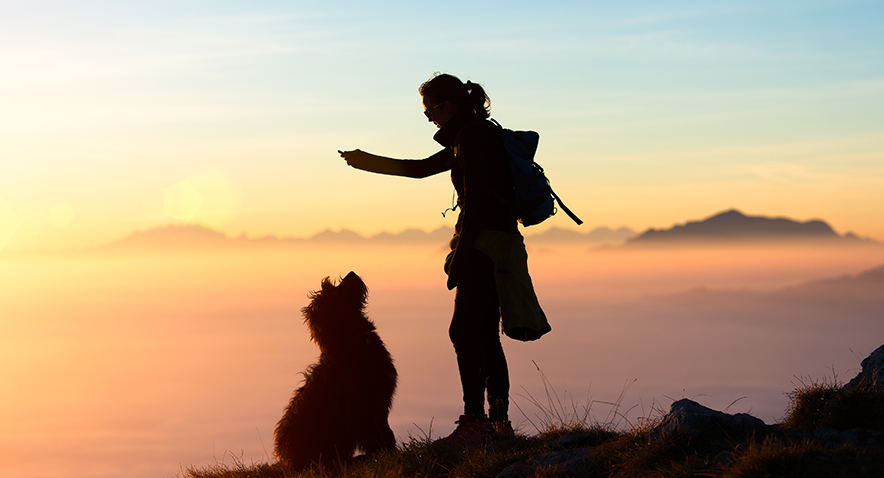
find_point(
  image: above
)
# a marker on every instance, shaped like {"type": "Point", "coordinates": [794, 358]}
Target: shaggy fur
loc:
{"type": "Point", "coordinates": [346, 397]}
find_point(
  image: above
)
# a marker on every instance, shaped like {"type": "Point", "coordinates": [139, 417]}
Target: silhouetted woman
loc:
{"type": "Point", "coordinates": [474, 153]}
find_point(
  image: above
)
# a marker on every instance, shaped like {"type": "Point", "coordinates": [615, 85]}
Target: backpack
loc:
{"type": "Point", "coordinates": [534, 200]}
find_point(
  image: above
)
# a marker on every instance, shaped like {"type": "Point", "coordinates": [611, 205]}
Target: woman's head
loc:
{"type": "Point", "coordinates": [445, 88]}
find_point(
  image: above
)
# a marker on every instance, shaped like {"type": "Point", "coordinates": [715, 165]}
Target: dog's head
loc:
{"type": "Point", "coordinates": [336, 311]}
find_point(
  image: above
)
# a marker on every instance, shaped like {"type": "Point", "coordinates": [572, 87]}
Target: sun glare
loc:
{"type": "Point", "coordinates": [181, 201]}
{"type": "Point", "coordinates": [60, 215]}
{"type": "Point", "coordinates": [210, 199]}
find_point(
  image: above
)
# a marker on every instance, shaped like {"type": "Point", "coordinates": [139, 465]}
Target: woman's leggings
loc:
{"type": "Point", "coordinates": [475, 333]}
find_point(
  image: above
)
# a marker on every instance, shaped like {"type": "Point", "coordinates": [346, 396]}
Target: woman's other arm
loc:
{"type": "Point", "coordinates": [412, 168]}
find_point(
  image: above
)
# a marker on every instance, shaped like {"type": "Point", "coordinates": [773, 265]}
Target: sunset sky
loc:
{"type": "Point", "coordinates": [124, 116]}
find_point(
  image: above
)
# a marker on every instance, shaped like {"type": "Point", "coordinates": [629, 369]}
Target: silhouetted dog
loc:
{"type": "Point", "coordinates": [346, 396]}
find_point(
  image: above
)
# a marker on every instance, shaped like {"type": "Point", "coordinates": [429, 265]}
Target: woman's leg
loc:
{"type": "Point", "coordinates": [474, 332]}
{"type": "Point", "coordinates": [497, 380]}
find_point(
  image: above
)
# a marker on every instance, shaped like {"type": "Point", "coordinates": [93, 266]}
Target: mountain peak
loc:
{"type": "Point", "coordinates": [734, 226]}
{"type": "Point", "coordinates": [730, 214]}
{"type": "Point", "coordinates": [187, 233]}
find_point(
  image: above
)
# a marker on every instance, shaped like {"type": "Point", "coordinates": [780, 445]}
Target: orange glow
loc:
{"type": "Point", "coordinates": [137, 355]}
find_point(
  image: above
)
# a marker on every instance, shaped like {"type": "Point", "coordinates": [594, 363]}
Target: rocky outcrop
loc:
{"type": "Point", "coordinates": [872, 375]}
{"type": "Point", "coordinates": [570, 457]}
{"type": "Point", "coordinates": [690, 418]}
{"type": "Point", "coordinates": [854, 437]}
{"type": "Point", "coordinates": [567, 462]}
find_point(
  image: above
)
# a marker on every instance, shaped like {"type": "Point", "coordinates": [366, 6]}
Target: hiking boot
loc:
{"type": "Point", "coordinates": [469, 432]}
{"type": "Point", "coordinates": [503, 429]}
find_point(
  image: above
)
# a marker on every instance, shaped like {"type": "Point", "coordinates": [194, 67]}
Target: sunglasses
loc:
{"type": "Point", "coordinates": [429, 111]}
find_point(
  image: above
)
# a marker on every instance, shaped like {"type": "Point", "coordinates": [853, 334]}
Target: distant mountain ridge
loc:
{"type": "Point", "coordinates": [196, 236]}
{"type": "Point", "coordinates": [851, 295]}
{"type": "Point", "coordinates": [599, 235]}
{"type": "Point", "coordinates": [192, 236]}
{"type": "Point", "coordinates": [728, 227]}
{"type": "Point", "coordinates": [733, 226]}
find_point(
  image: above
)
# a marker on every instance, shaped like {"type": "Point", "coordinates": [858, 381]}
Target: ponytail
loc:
{"type": "Point", "coordinates": [477, 100]}
{"type": "Point", "coordinates": [467, 96]}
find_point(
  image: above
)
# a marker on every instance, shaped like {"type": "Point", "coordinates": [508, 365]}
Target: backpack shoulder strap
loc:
{"type": "Point", "coordinates": [565, 208]}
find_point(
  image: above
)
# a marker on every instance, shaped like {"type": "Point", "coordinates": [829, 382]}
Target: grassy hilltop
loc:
{"type": "Point", "coordinates": [828, 431]}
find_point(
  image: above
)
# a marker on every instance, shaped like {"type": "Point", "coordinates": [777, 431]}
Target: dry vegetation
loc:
{"type": "Point", "coordinates": [639, 451]}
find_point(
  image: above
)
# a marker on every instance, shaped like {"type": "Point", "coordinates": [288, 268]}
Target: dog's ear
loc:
{"type": "Point", "coordinates": [327, 284]}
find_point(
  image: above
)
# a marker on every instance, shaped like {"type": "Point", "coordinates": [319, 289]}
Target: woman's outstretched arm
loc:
{"type": "Point", "coordinates": [412, 168]}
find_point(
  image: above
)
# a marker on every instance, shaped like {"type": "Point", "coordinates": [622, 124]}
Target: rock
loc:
{"type": "Point", "coordinates": [853, 437]}
{"type": "Point", "coordinates": [794, 433]}
{"type": "Point", "coordinates": [690, 418]}
{"type": "Point", "coordinates": [567, 462]}
{"type": "Point", "coordinates": [828, 434]}
{"type": "Point", "coordinates": [516, 470]}
{"type": "Point", "coordinates": [570, 440]}
{"type": "Point", "coordinates": [872, 375]}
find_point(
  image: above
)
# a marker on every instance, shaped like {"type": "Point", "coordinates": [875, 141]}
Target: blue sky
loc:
{"type": "Point", "coordinates": [650, 113]}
